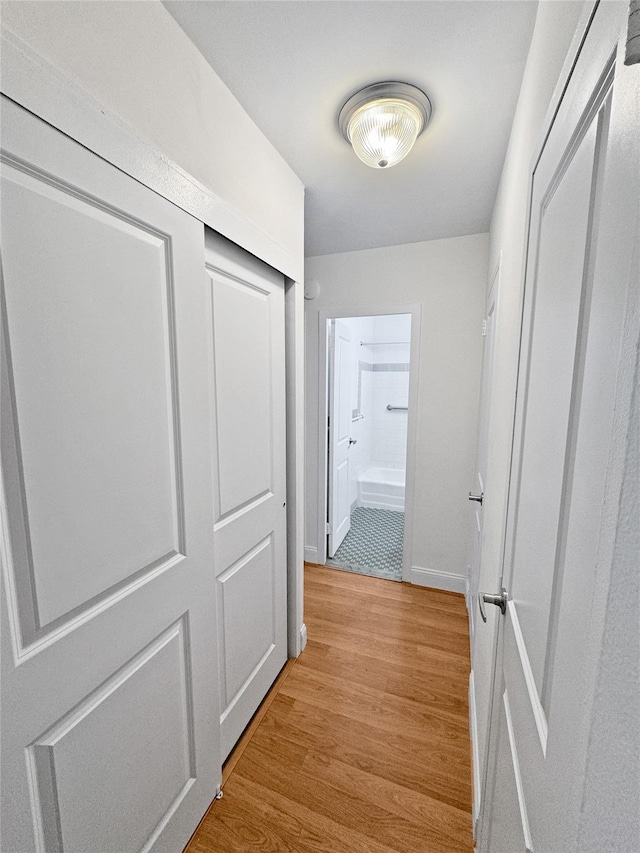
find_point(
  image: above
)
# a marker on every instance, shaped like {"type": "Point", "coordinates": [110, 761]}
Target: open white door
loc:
{"type": "Point", "coordinates": [339, 506]}
{"type": "Point", "coordinates": [483, 638]}
{"type": "Point", "coordinates": [110, 738]}
{"type": "Point", "coordinates": [580, 273]}
{"type": "Point", "coordinates": [246, 311]}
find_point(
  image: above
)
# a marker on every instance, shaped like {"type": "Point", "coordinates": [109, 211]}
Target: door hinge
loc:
{"type": "Point", "coordinates": [327, 528]}
{"type": "Point", "coordinates": [484, 328]}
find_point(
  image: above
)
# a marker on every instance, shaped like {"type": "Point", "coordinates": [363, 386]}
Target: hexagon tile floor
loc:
{"type": "Point", "coordinates": [373, 546]}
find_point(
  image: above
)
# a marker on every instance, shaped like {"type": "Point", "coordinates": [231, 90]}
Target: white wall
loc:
{"type": "Point", "coordinates": [611, 796]}
{"type": "Point", "coordinates": [134, 59]}
{"type": "Point", "coordinates": [447, 278]}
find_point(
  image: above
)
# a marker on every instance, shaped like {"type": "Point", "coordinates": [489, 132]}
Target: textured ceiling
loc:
{"type": "Point", "coordinates": [293, 63]}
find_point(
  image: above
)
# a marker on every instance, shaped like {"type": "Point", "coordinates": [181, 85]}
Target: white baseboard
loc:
{"type": "Point", "coordinates": [310, 554]}
{"type": "Point", "coordinates": [475, 756]}
{"type": "Point", "coordinates": [437, 580]}
{"type": "Point", "coordinates": [303, 637]}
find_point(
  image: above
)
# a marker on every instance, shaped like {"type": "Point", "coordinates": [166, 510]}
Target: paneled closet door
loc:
{"type": "Point", "coordinates": [110, 730]}
{"type": "Point", "coordinates": [246, 311]}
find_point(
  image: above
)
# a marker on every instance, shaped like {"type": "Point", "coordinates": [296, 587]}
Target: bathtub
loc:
{"type": "Point", "coordinates": [382, 488]}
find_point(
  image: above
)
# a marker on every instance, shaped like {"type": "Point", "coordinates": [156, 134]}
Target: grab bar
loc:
{"type": "Point", "coordinates": [391, 408]}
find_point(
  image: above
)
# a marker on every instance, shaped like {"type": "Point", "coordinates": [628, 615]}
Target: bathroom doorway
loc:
{"type": "Point", "coordinates": [368, 403]}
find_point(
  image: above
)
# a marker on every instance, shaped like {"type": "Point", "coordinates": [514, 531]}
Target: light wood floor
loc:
{"type": "Point", "coordinates": [364, 747]}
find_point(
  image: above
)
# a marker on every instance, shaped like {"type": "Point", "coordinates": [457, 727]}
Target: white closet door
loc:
{"type": "Point", "coordinates": [246, 316]}
{"type": "Point", "coordinates": [110, 736]}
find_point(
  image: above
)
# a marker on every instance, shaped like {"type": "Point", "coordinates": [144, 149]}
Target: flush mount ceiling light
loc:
{"type": "Point", "coordinates": [382, 122]}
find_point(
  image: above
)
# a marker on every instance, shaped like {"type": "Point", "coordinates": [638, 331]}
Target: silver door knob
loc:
{"type": "Point", "coordinates": [499, 601]}
{"type": "Point", "coordinates": [478, 498]}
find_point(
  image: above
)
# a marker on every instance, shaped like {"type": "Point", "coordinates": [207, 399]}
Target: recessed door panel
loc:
{"type": "Point", "coordinates": [342, 475]}
{"type": "Point", "coordinates": [342, 386]}
{"type": "Point", "coordinates": [549, 390]}
{"type": "Point", "coordinates": [510, 826]}
{"type": "Point", "coordinates": [90, 325]}
{"type": "Point", "coordinates": [242, 358]}
{"type": "Point", "coordinates": [96, 761]}
{"type": "Point", "coordinates": [246, 625]}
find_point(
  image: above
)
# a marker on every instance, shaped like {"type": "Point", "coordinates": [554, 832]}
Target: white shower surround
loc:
{"type": "Point", "coordinates": [379, 376]}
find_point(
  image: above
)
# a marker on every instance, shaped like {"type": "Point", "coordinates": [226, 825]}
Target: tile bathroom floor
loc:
{"type": "Point", "coordinates": [373, 545]}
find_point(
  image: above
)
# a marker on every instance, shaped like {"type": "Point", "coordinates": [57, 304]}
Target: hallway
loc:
{"type": "Point", "coordinates": [365, 746]}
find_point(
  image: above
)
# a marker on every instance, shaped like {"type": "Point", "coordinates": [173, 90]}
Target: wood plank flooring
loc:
{"type": "Point", "coordinates": [364, 744]}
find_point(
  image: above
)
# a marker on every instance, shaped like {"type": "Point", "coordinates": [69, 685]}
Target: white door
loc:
{"type": "Point", "coordinates": [580, 273]}
{"type": "Point", "coordinates": [246, 311]}
{"type": "Point", "coordinates": [339, 439]}
{"type": "Point", "coordinates": [482, 577]}
{"type": "Point", "coordinates": [110, 737]}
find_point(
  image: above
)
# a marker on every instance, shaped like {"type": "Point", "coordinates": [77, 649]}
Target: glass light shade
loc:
{"type": "Point", "coordinates": [383, 131]}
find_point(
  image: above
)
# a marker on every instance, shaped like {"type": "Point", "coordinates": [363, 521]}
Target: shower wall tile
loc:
{"type": "Point", "coordinates": [389, 446]}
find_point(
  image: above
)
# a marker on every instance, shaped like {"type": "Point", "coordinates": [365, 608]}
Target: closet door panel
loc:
{"type": "Point", "coordinates": [90, 335]}
{"type": "Point", "coordinates": [110, 735]}
{"type": "Point", "coordinates": [248, 460]}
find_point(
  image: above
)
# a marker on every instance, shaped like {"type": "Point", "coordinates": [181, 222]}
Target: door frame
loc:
{"type": "Point", "coordinates": [38, 86]}
{"type": "Point", "coordinates": [414, 309]}
{"type": "Point", "coordinates": [295, 450]}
